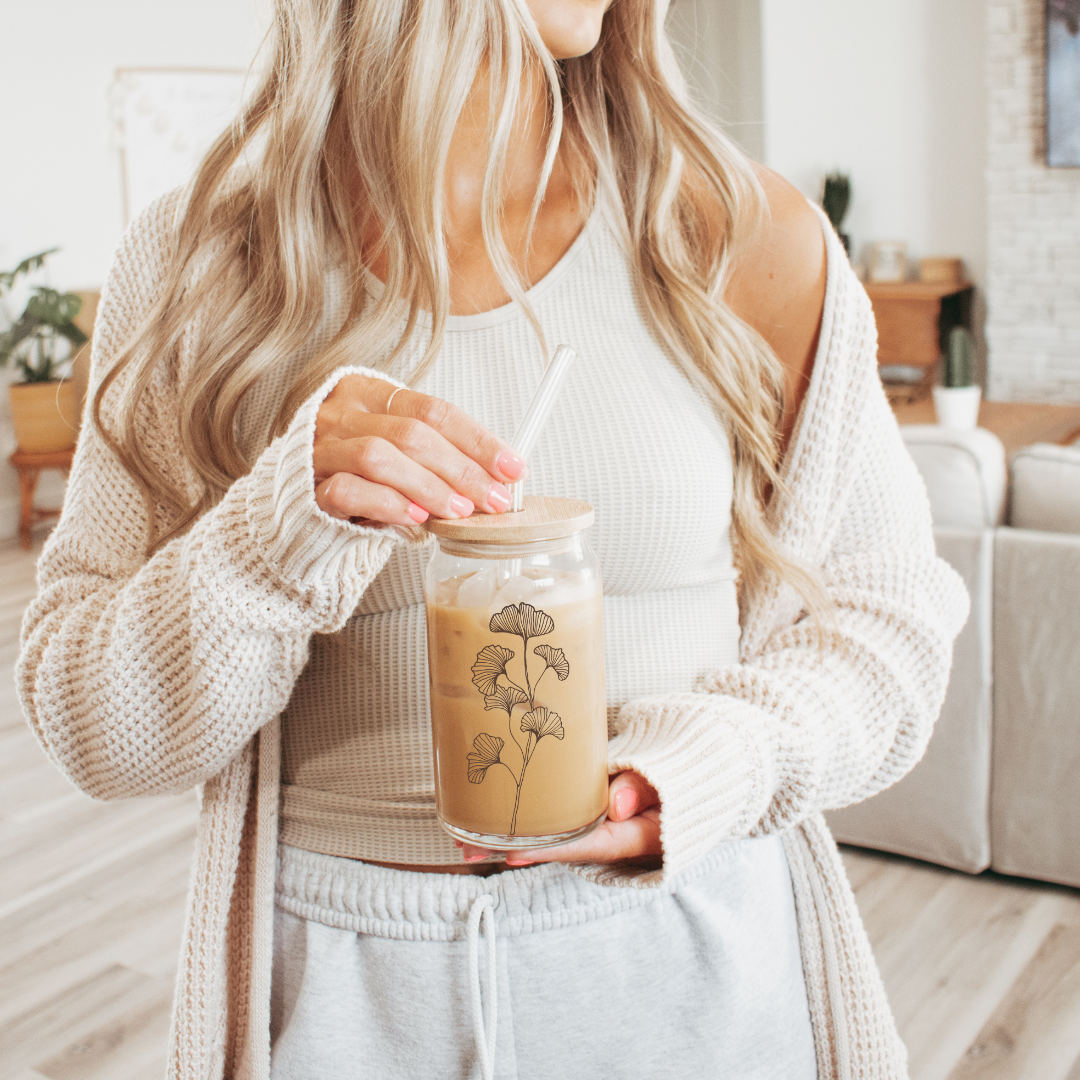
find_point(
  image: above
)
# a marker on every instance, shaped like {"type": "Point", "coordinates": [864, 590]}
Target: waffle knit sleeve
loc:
{"type": "Point", "coordinates": [148, 675]}
{"type": "Point", "coordinates": [799, 726]}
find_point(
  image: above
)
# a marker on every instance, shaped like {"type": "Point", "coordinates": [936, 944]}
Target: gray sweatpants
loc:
{"type": "Point", "coordinates": [385, 975]}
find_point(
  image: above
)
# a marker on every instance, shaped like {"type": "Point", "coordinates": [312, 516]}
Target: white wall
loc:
{"type": "Point", "coordinates": [719, 47]}
{"type": "Point", "coordinates": [60, 181]}
{"type": "Point", "coordinates": [894, 93]}
{"type": "Point", "coordinates": [60, 184]}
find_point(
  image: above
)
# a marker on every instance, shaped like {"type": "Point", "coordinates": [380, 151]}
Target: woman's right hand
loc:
{"type": "Point", "coordinates": [424, 458]}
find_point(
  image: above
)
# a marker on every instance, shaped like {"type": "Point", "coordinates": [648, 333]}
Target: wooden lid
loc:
{"type": "Point", "coordinates": [543, 518]}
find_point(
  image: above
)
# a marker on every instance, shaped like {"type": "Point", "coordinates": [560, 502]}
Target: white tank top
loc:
{"type": "Point", "coordinates": [631, 436]}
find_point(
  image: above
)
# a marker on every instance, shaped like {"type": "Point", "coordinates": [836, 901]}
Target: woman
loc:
{"type": "Point", "coordinates": [434, 189]}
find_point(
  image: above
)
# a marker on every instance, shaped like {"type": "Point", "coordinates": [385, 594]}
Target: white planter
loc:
{"type": "Point", "coordinates": [957, 407]}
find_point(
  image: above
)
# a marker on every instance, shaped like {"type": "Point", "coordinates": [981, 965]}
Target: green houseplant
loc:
{"type": "Point", "coordinates": [41, 343]}
{"type": "Point", "coordinates": [835, 200]}
{"type": "Point", "coordinates": [956, 401]}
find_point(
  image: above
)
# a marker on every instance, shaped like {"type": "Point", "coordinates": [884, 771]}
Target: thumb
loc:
{"type": "Point", "coordinates": [629, 794]}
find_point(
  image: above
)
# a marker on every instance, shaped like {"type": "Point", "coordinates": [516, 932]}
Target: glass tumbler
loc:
{"type": "Point", "coordinates": [516, 669]}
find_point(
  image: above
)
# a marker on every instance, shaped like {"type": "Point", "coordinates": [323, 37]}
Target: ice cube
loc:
{"type": "Point", "coordinates": [446, 592]}
{"type": "Point", "coordinates": [566, 589]}
{"type": "Point", "coordinates": [477, 590]}
{"type": "Point", "coordinates": [517, 590]}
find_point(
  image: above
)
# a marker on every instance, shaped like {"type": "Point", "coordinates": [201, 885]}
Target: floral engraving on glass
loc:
{"type": "Point", "coordinates": [537, 722]}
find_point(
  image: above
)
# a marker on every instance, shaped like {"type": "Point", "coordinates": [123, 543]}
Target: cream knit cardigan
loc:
{"type": "Point", "coordinates": [151, 676]}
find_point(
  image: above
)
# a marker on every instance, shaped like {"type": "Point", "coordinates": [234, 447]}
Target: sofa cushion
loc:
{"type": "Point", "coordinates": [1046, 488]}
{"type": "Point", "coordinates": [1035, 812]}
{"type": "Point", "coordinates": [964, 473]}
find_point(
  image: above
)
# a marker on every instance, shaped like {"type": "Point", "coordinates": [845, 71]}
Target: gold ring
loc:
{"type": "Point", "coordinates": [390, 399]}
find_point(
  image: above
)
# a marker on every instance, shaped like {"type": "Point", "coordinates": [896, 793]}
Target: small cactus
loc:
{"type": "Point", "coordinates": [960, 358]}
{"type": "Point", "coordinates": [836, 198]}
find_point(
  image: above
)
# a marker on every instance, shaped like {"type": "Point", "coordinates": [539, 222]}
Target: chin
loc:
{"type": "Point", "coordinates": [569, 27]}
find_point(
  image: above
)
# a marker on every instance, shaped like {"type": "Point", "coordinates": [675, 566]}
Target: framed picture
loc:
{"type": "Point", "coordinates": [888, 261]}
{"type": "Point", "coordinates": [1063, 83]}
{"type": "Point", "coordinates": [164, 120]}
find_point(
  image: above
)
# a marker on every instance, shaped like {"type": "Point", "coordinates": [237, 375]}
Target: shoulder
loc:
{"type": "Point", "coordinates": [150, 240]}
{"type": "Point", "coordinates": [778, 282]}
{"type": "Point", "coordinates": [782, 260]}
{"type": "Point", "coordinates": [137, 274]}
{"type": "Point", "coordinates": [134, 284]}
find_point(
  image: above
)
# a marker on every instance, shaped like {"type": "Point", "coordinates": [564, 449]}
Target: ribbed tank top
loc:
{"type": "Point", "coordinates": [631, 436]}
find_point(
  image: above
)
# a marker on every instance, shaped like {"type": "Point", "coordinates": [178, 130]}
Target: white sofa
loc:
{"type": "Point", "coordinates": [998, 786]}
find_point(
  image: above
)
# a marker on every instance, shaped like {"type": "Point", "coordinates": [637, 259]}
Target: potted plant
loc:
{"type": "Point", "coordinates": [41, 342]}
{"type": "Point", "coordinates": [835, 200]}
{"type": "Point", "coordinates": [957, 401]}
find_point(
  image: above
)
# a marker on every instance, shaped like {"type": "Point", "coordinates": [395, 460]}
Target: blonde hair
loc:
{"type": "Point", "coordinates": [371, 90]}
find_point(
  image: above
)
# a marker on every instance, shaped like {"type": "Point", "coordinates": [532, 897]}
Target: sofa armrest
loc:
{"type": "Point", "coordinates": [964, 473]}
{"type": "Point", "coordinates": [940, 810]}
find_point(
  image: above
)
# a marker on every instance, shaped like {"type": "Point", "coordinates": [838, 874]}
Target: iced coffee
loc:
{"type": "Point", "coordinates": [516, 665]}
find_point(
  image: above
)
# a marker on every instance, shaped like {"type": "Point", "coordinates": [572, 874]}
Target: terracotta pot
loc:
{"type": "Point", "coordinates": [46, 416]}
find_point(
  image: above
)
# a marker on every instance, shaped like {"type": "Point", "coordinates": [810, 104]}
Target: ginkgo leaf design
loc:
{"type": "Point", "coordinates": [523, 620]}
{"type": "Point", "coordinates": [505, 698]}
{"type": "Point", "coordinates": [541, 722]}
{"type": "Point", "coordinates": [490, 664]}
{"type": "Point", "coordinates": [555, 659]}
{"type": "Point", "coordinates": [486, 751]}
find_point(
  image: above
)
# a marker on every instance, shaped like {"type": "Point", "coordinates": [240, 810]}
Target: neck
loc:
{"type": "Point", "coordinates": [475, 286]}
{"type": "Point", "coordinates": [467, 159]}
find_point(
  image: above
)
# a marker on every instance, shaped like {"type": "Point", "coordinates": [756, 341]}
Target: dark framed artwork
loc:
{"type": "Point", "coordinates": [1063, 82]}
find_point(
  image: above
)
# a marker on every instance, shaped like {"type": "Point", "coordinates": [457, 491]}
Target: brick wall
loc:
{"type": "Point", "coordinates": [1033, 252]}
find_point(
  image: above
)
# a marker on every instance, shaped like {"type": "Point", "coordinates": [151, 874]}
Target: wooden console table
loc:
{"type": "Point", "coordinates": [29, 466]}
{"type": "Point", "coordinates": [1015, 423]}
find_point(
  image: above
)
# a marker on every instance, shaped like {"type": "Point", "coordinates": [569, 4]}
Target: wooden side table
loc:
{"type": "Point", "coordinates": [914, 319]}
{"type": "Point", "coordinates": [29, 466]}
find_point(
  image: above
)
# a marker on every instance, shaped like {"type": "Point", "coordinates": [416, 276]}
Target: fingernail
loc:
{"type": "Point", "coordinates": [509, 464]}
{"type": "Point", "coordinates": [475, 858]}
{"type": "Point", "coordinates": [625, 804]}
{"type": "Point", "coordinates": [461, 506]}
{"type": "Point", "coordinates": [418, 513]}
{"type": "Point", "coordinates": [498, 498]}
{"type": "Point", "coordinates": [518, 862]}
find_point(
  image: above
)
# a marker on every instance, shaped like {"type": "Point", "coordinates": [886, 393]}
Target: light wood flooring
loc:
{"type": "Point", "coordinates": [983, 972]}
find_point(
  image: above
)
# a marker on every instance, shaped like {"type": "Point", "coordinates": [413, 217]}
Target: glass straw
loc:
{"type": "Point", "coordinates": [539, 410]}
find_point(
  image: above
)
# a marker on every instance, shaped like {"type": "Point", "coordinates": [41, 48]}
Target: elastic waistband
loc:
{"type": "Point", "coordinates": [376, 830]}
{"type": "Point", "coordinates": [366, 899]}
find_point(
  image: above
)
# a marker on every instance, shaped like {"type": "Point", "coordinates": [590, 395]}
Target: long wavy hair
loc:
{"type": "Point", "coordinates": [364, 95]}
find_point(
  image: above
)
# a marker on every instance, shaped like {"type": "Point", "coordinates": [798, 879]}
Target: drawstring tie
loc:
{"type": "Point", "coordinates": [483, 907]}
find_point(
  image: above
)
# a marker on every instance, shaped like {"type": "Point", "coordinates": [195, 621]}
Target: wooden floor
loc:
{"type": "Point", "coordinates": [983, 972]}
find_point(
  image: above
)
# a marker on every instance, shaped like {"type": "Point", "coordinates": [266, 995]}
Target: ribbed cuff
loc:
{"type": "Point", "coordinates": [299, 539]}
{"type": "Point", "coordinates": [707, 767]}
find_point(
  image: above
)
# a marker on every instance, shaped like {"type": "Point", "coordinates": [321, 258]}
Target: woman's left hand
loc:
{"type": "Point", "coordinates": [632, 830]}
